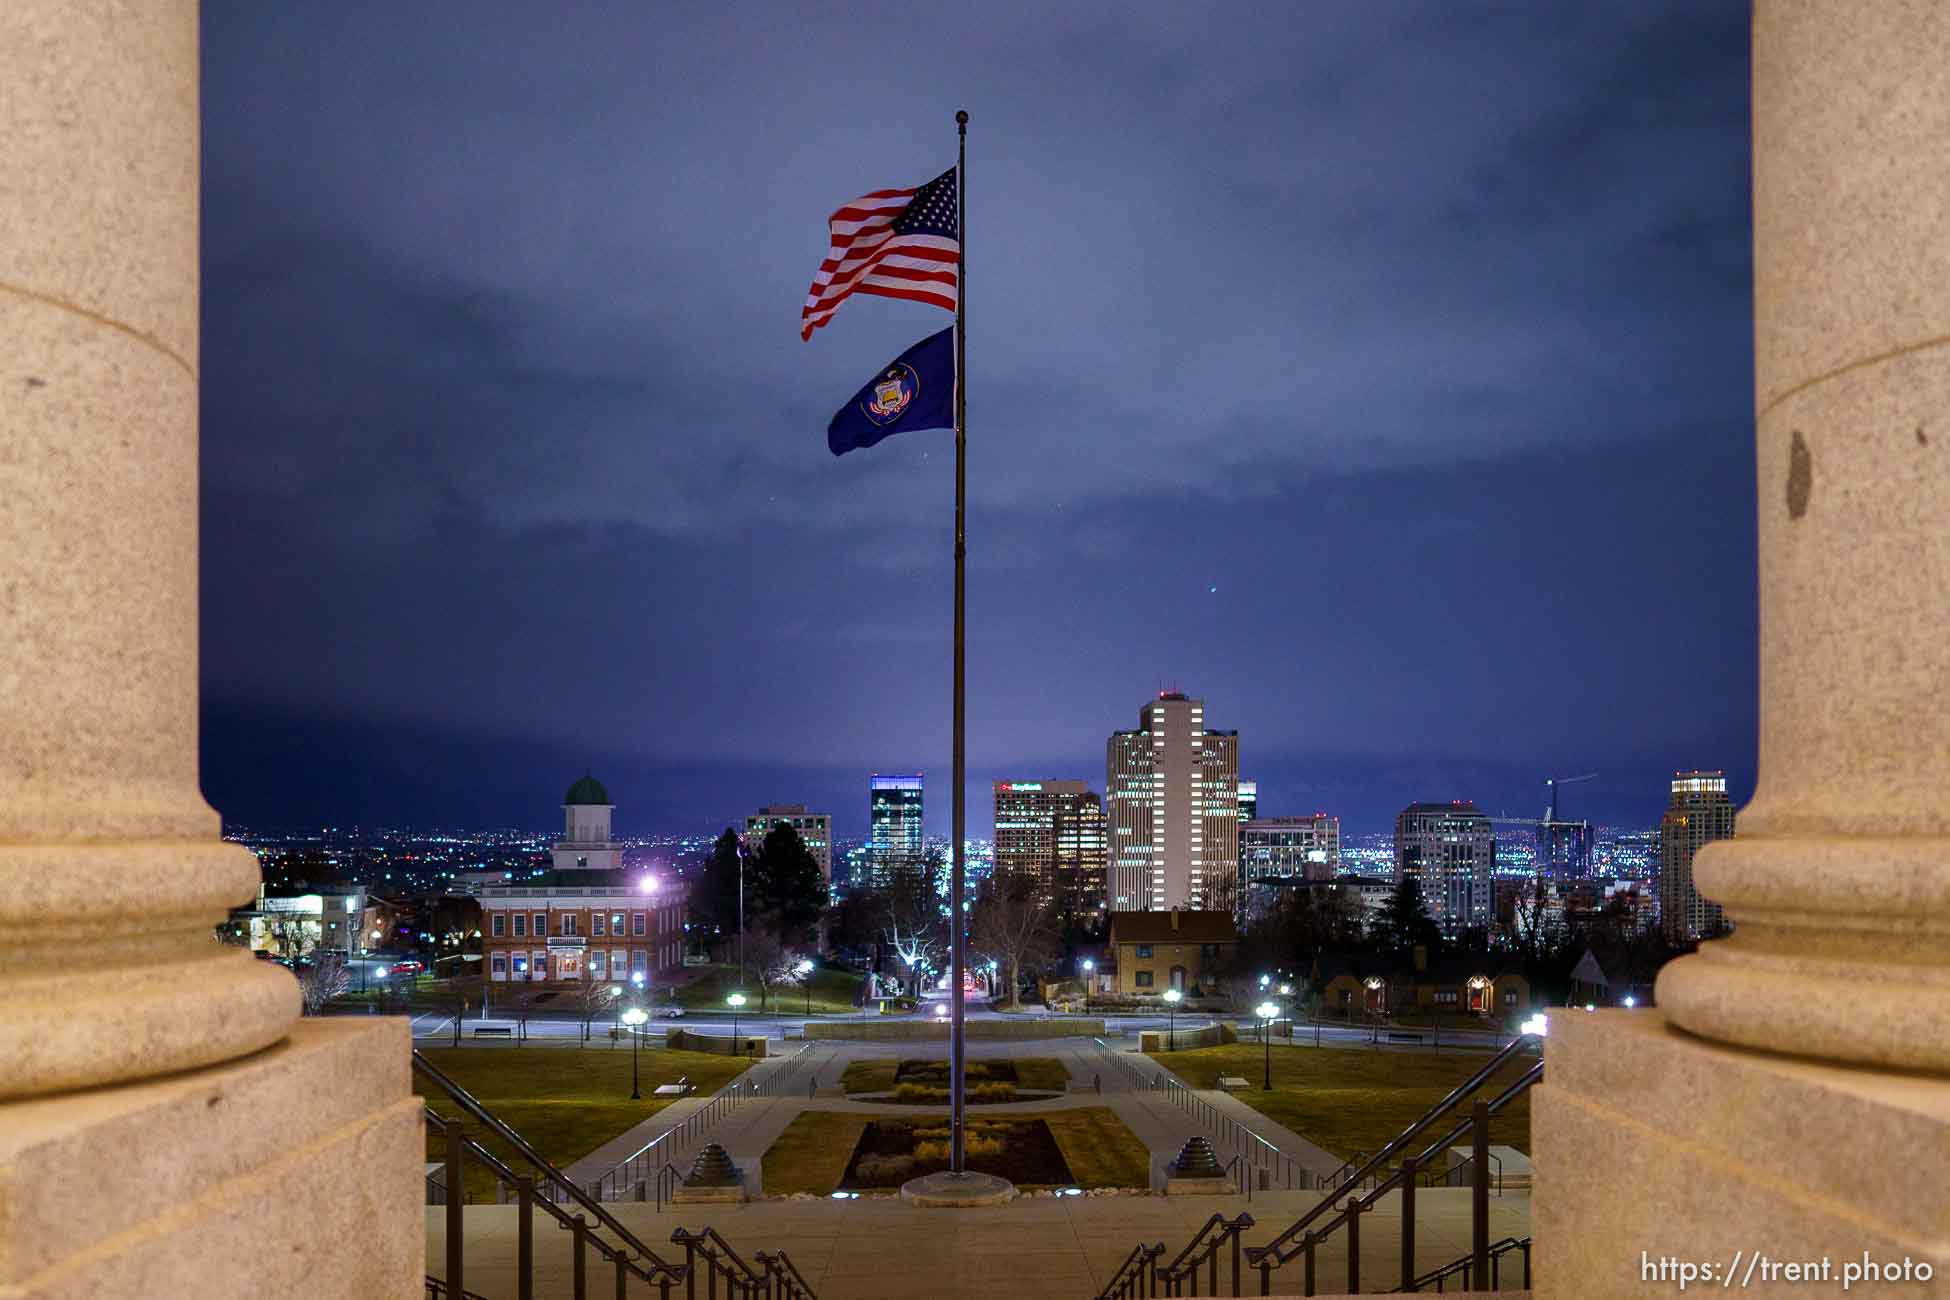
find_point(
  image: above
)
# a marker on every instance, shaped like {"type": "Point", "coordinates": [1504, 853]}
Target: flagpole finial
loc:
{"type": "Point", "coordinates": [961, 118]}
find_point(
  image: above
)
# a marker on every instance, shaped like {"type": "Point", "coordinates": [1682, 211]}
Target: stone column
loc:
{"type": "Point", "coordinates": [1838, 882]}
{"type": "Point", "coordinates": [163, 1112]}
{"type": "Point", "coordinates": [112, 874]}
{"type": "Point", "coordinates": [1789, 1100]}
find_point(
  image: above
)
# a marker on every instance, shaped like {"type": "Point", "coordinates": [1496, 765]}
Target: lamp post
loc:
{"type": "Point", "coordinates": [1089, 977]}
{"type": "Point", "coordinates": [1267, 1010]}
{"type": "Point", "coordinates": [616, 1000]}
{"type": "Point", "coordinates": [741, 911]}
{"type": "Point", "coordinates": [634, 1017]}
{"type": "Point", "coordinates": [804, 971]}
{"type": "Point", "coordinates": [735, 1001]}
{"type": "Point", "coordinates": [1171, 1019]}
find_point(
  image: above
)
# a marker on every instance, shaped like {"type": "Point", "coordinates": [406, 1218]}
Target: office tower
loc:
{"type": "Point", "coordinates": [1451, 850]}
{"type": "Point", "coordinates": [1173, 790]}
{"type": "Point", "coordinates": [1289, 848]}
{"type": "Point", "coordinates": [894, 826]}
{"type": "Point", "coordinates": [1698, 813]}
{"type": "Point", "coordinates": [815, 831]}
{"type": "Point", "coordinates": [1054, 831]}
{"type": "Point", "coordinates": [1248, 801]}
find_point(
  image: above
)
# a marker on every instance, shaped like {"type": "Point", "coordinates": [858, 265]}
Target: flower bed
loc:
{"type": "Point", "coordinates": [891, 1151]}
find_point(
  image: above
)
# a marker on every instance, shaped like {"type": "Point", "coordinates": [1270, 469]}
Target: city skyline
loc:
{"type": "Point", "coordinates": [504, 477]}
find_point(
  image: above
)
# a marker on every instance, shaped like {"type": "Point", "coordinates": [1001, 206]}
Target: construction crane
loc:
{"type": "Point", "coordinates": [1549, 829]}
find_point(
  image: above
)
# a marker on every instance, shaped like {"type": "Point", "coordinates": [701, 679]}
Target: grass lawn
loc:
{"type": "Point", "coordinates": [566, 1103]}
{"type": "Point", "coordinates": [833, 991]}
{"type": "Point", "coordinates": [1349, 1100]}
{"type": "Point", "coordinates": [815, 1149]}
{"type": "Point", "coordinates": [877, 1073]}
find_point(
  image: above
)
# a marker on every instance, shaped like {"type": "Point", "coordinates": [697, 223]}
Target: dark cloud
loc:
{"type": "Point", "coordinates": [1421, 332]}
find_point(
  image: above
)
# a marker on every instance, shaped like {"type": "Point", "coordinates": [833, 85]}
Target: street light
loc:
{"type": "Point", "coordinates": [804, 971]}
{"type": "Point", "coordinates": [633, 1017]}
{"type": "Point", "coordinates": [735, 1001]}
{"type": "Point", "coordinates": [1089, 978]}
{"type": "Point", "coordinates": [1171, 1019]}
{"type": "Point", "coordinates": [1267, 1010]}
{"type": "Point", "coordinates": [615, 1000]}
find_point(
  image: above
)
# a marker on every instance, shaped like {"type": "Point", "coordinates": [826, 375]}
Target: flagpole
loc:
{"type": "Point", "coordinates": [957, 1058]}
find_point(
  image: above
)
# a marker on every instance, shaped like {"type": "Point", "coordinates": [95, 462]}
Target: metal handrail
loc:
{"type": "Point", "coordinates": [1201, 1251]}
{"type": "Point", "coordinates": [659, 1273]}
{"type": "Point", "coordinates": [1439, 1177]}
{"type": "Point", "coordinates": [556, 1178]}
{"type": "Point", "coordinates": [729, 1097]}
{"type": "Point", "coordinates": [1465, 1266]}
{"type": "Point", "coordinates": [437, 1290]}
{"type": "Point", "coordinates": [710, 1245]}
{"type": "Point", "coordinates": [1261, 1153]}
{"type": "Point", "coordinates": [779, 1266]}
{"type": "Point", "coordinates": [1273, 1253]}
{"type": "Point", "coordinates": [1137, 1277]}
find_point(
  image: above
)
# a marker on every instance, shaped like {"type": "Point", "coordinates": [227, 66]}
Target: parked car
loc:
{"type": "Point", "coordinates": [409, 967]}
{"type": "Point", "coordinates": [670, 1010]}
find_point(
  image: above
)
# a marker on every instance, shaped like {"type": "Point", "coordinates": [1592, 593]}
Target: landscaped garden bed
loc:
{"type": "Point", "coordinates": [825, 1151]}
{"type": "Point", "coordinates": [925, 1081]}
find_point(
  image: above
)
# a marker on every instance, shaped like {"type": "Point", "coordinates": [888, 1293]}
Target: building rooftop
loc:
{"type": "Point", "coordinates": [587, 790]}
{"type": "Point", "coordinates": [1175, 926]}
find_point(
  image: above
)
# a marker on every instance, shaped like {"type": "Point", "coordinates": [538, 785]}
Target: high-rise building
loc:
{"type": "Point", "coordinates": [1699, 812]}
{"type": "Point", "coordinates": [1054, 831]}
{"type": "Point", "coordinates": [815, 831]}
{"type": "Point", "coordinates": [1451, 850]}
{"type": "Point", "coordinates": [894, 826]}
{"type": "Point", "coordinates": [585, 844]}
{"type": "Point", "coordinates": [1248, 801]}
{"type": "Point", "coordinates": [1289, 848]}
{"type": "Point", "coordinates": [1173, 792]}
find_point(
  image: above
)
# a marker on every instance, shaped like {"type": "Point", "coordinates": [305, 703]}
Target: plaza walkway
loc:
{"type": "Point", "coordinates": [1041, 1248]}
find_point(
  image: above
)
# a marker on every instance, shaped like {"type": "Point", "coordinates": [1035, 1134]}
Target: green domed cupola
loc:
{"type": "Point", "coordinates": [588, 790]}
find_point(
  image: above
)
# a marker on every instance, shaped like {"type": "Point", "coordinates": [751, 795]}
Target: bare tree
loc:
{"type": "Point", "coordinates": [595, 1000]}
{"type": "Point", "coordinates": [1015, 926]}
{"type": "Point", "coordinates": [323, 980]}
{"type": "Point", "coordinates": [774, 962]}
{"type": "Point", "coordinates": [913, 924]}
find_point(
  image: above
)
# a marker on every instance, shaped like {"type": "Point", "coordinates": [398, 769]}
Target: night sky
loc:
{"type": "Point", "coordinates": [1381, 374]}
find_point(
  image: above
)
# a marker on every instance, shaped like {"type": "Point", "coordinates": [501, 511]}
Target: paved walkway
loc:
{"type": "Point", "coordinates": [1163, 1121]}
{"type": "Point", "coordinates": [1042, 1248]}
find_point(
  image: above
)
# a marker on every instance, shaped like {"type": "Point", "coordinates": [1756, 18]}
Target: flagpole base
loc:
{"type": "Point", "coordinates": [964, 1191]}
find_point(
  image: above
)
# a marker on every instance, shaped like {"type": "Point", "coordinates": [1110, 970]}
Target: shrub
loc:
{"type": "Point", "coordinates": [874, 1168]}
{"type": "Point", "coordinates": [918, 1092]}
{"type": "Point", "coordinates": [993, 1092]}
{"type": "Point", "coordinates": [932, 1153]}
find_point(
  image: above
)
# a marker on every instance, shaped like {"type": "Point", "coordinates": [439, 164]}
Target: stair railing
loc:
{"type": "Point", "coordinates": [1280, 1166]}
{"type": "Point", "coordinates": [620, 1183]}
{"type": "Point", "coordinates": [1203, 1251]}
{"type": "Point", "coordinates": [1302, 1234]}
{"type": "Point", "coordinates": [1466, 1268]}
{"type": "Point", "coordinates": [742, 1281]}
{"type": "Point", "coordinates": [459, 1147]}
{"type": "Point", "coordinates": [1404, 1178]}
{"type": "Point", "coordinates": [1137, 1277]}
{"type": "Point", "coordinates": [555, 1184]}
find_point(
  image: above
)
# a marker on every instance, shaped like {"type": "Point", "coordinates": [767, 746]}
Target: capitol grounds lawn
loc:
{"type": "Point", "coordinates": [1349, 1099]}
{"type": "Point", "coordinates": [565, 1102]}
{"type": "Point", "coordinates": [815, 1149]}
{"type": "Point", "coordinates": [833, 992]}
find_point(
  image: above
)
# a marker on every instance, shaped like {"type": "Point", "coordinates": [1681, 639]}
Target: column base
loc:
{"type": "Point", "coordinates": [1654, 1145]}
{"type": "Point", "coordinates": [294, 1172]}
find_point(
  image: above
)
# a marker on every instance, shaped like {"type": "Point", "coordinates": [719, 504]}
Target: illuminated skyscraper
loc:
{"type": "Point", "coordinates": [1451, 850]}
{"type": "Point", "coordinates": [1289, 848]}
{"type": "Point", "coordinates": [1054, 831]}
{"type": "Point", "coordinates": [1698, 813]}
{"type": "Point", "coordinates": [894, 826]}
{"type": "Point", "coordinates": [1248, 801]}
{"type": "Point", "coordinates": [1173, 792]}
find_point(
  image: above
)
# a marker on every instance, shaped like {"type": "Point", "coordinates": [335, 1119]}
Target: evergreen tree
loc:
{"type": "Point", "coordinates": [715, 901]}
{"type": "Point", "coordinates": [786, 885]}
{"type": "Point", "coordinates": [1404, 920]}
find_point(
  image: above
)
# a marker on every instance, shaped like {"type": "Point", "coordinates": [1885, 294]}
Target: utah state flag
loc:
{"type": "Point", "coordinates": [916, 390]}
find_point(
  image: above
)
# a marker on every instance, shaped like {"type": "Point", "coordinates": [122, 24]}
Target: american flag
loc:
{"type": "Point", "coordinates": [895, 243]}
